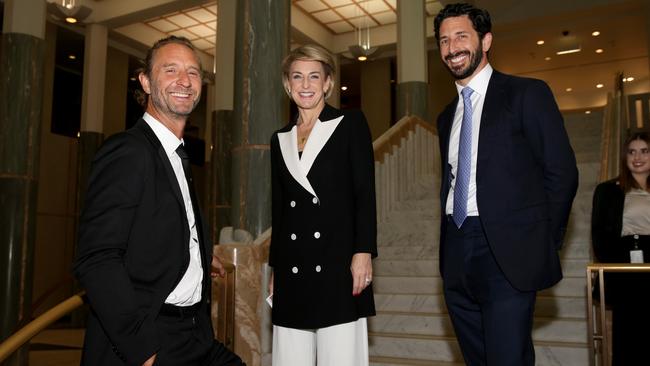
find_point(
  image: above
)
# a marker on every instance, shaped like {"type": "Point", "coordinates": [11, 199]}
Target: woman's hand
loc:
{"type": "Point", "coordinates": [361, 268]}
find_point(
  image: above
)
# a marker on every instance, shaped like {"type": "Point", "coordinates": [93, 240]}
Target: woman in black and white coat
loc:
{"type": "Point", "coordinates": [324, 223]}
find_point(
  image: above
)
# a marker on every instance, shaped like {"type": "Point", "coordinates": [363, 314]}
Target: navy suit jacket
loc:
{"type": "Point", "coordinates": [526, 178]}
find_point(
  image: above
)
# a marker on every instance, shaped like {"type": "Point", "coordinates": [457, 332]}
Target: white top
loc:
{"type": "Point", "coordinates": [636, 213]}
{"type": "Point", "coordinates": [188, 290]}
{"type": "Point", "coordinates": [479, 85]}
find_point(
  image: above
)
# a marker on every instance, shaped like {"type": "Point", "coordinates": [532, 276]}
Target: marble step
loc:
{"type": "Point", "coordinates": [392, 361]}
{"type": "Point", "coordinates": [407, 251]}
{"type": "Point", "coordinates": [399, 238]}
{"type": "Point", "coordinates": [559, 307]}
{"type": "Point", "coordinates": [429, 267]}
{"type": "Point", "coordinates": [446, 349]}
{"type": "Point", "coordinates": [544, 329]}
{"type": "Point", "coordinates": [568, 286]}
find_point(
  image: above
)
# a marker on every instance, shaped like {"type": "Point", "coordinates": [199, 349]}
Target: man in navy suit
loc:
{"type": "Point", "coordinates": [508, 180]}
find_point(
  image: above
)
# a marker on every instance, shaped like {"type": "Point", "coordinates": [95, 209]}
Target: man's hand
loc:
{"type": "Point", "coordinates": [361, 268]}
{"type": "Point", "coordinates": [150, 361]}
{"type": "Point", "coordinates": [217, 268]}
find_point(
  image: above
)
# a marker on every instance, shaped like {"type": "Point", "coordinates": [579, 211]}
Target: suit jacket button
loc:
{"type": "Point", "coordinates": [293, 237]}
{"type": "Point", "coordinates": [317, 235]}
{"type": "Point", "coordinates": [293, 203]}
{"type": "Point", "coordinates": [318, 268]}
{"type": "Point", "coordinates": [314, 200]}
{"type": "Point", "coordinates": [294, 269]}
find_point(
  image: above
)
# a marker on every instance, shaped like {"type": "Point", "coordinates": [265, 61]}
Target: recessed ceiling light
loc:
{"type": "Point", "coordinates": [569, 50]}
{"type": "Point", "coordinates": [587, 112]}
{"type": "Point", "coordinates": [599, 86]}
{"type": "Point", "coordinates": [72, 57]}
{"type": "Point", "coordinates": [344, 88]}
{"type": "Point", "coordinates": [71, 20]}
{"type": "Point", "coordinates": [569, 89]}
{"type": "Point", "coordinates": [595, 33]}
{"type": "Point", "coordinates": [540, 42]}
{"type": "Point", "coordinates": [599, 50]}
{"type": "Point", "coordinates": [362, 58]}
{"type": "Point", "coordinates": [547, 58]}
{"type": "Point", "coordinates": [132, 78]}
{"type": "Point", "coordinates": [630, 79]}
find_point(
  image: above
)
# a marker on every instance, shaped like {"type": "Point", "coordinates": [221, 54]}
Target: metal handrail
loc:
{"type": "Point", "coordinates": [593, 333]}
{"type": "Point", "coordinates": [24, 334]}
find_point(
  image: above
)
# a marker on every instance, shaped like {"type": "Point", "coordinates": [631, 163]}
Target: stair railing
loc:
{"type": "Point", "coordinates": [404, 154]}
{"type": "Point", "coordinates": [24, 334]}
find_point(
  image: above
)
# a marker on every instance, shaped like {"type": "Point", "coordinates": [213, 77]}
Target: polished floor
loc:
{"type": "Point", "coordinates": [56, 347]}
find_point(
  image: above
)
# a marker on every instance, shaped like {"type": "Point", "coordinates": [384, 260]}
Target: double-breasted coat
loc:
{"type": "Point", "coordinates": [323, 213]}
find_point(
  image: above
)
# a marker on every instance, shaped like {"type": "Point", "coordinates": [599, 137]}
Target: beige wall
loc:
{"type": "Point", "coordinates": [117, 76]}
{"type": "Point", "coordinates": [375, 95]}
{"type": "Point", "coordinates": [55, 231]}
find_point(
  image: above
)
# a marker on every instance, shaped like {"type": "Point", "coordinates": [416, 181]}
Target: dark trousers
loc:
{"type": "Point", "coordinates": [188, 341]}
{"type": "Point", "coordinates": [492, 320]}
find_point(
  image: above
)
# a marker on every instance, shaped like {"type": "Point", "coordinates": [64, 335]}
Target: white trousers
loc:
{"type": "Point", "coordinates": [338, 345]}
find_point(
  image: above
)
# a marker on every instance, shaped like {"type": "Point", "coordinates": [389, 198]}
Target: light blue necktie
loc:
{"type": "Point", "coordinates": [464, 166]}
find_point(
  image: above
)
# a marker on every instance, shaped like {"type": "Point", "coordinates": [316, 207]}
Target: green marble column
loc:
{"type": "Point", "coordinates": [412, 99]}
{"type": "Point", "coordinates": [220, 173]}
{"type": "Point", "coordinates": [260, 107]}
{"type": "Point", "coordinates": [21, 96]}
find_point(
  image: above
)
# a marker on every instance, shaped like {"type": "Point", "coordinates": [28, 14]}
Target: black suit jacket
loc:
{"type": "Point", "coordinates": [323, 213]}
{"type": "Point", "coordinates": [526, 178]}
{"type": "Point", "coordinates": [133, 247]}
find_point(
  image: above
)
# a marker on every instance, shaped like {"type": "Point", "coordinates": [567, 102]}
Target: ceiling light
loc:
{"type": "Point", "coordinates": [362, 58]}
{"type": "Point", "coordinates": [569, 89]}
{"type": "Point", "coordinates": [630, 79]}
{"type": "Point", "coordinates": [599, 86]}
{"type": "Point", "coordinates": [540, 42]}
{"type": "Point", "coordinates": [595, 33]}
{"type": "Point", "coordinates": [344, 88]}
{"type": "Point", "coordinates": [72, 57]}
{"type": "Point", "coordinates": [599, 50]}
{"type": "Point", "coordinates": [68, 10]}
{"type": "Point", "coordinates": [569, 50]}
{"type": "Point", "coordinates": [587, 112]}
{"type": "Point", "coordinates": [547, 58]}
{"type": "Point", "coordinates": [132, 78]}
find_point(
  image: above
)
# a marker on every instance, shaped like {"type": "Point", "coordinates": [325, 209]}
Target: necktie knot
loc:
{"type": "Point", "coordinates": [180, 150]}
{"type": "Point", "coordinates": [467, 93]}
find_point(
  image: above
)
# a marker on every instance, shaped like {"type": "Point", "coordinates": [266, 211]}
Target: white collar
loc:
{"type": "Point", "coordinates": [479, 83]}
{"type": "Point", "coordinates": [168, 140]}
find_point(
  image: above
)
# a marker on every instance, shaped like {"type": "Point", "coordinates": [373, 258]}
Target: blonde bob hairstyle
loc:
{"type": "Point", "coordinates": [309, 52]}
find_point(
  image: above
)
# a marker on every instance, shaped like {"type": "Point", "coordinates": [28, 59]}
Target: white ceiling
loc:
{"type": "Point", "coordinates": [517, 26]}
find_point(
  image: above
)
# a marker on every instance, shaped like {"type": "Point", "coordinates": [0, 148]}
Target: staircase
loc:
{"type": "Point", "coordinates": [412, 326]}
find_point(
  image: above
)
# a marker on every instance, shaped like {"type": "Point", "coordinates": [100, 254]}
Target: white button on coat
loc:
{"type": "Point", "coordinates": [294, 269]}
{"type": "Point", "coordinates": [293, 237]}
{"type": "Point", "coordinates": [318, 268]}
{"type": "Point", "coordinates": [293, 203]}
{"type": "Point", "coordinates": [314, 200]}
{"type": "Point", "coordinates": [317, 235]}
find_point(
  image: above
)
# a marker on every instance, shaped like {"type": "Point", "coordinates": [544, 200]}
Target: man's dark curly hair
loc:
{"type": "Point", "coordinates": [480, 18]}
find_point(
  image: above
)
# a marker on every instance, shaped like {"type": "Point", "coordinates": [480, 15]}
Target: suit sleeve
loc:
{"type": "Point", "coordinates": [363, 179]}
{"type": "Point", "coordinates": [116, 182]}
{"type": "Point", "coordinates": [276, 200]}
{"type": "Point", "coordinates": [545, 132]}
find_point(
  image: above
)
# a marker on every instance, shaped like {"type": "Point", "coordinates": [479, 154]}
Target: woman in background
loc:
{"type": "Point", "coordinates": [620, 229]}
{"type": "Point", "coordinates": [324, 223]}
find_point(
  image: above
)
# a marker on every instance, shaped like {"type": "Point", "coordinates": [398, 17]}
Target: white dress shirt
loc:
{"type": "Point", "coordinates": [188, 290]}
{"type": "Point", "coordinates": [479, 85]}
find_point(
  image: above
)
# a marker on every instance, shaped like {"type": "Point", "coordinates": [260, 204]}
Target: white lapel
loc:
{"type": "Point", "coordinates": [289, 148]}
{"type": "Point", "coordinates": [318, 137]}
